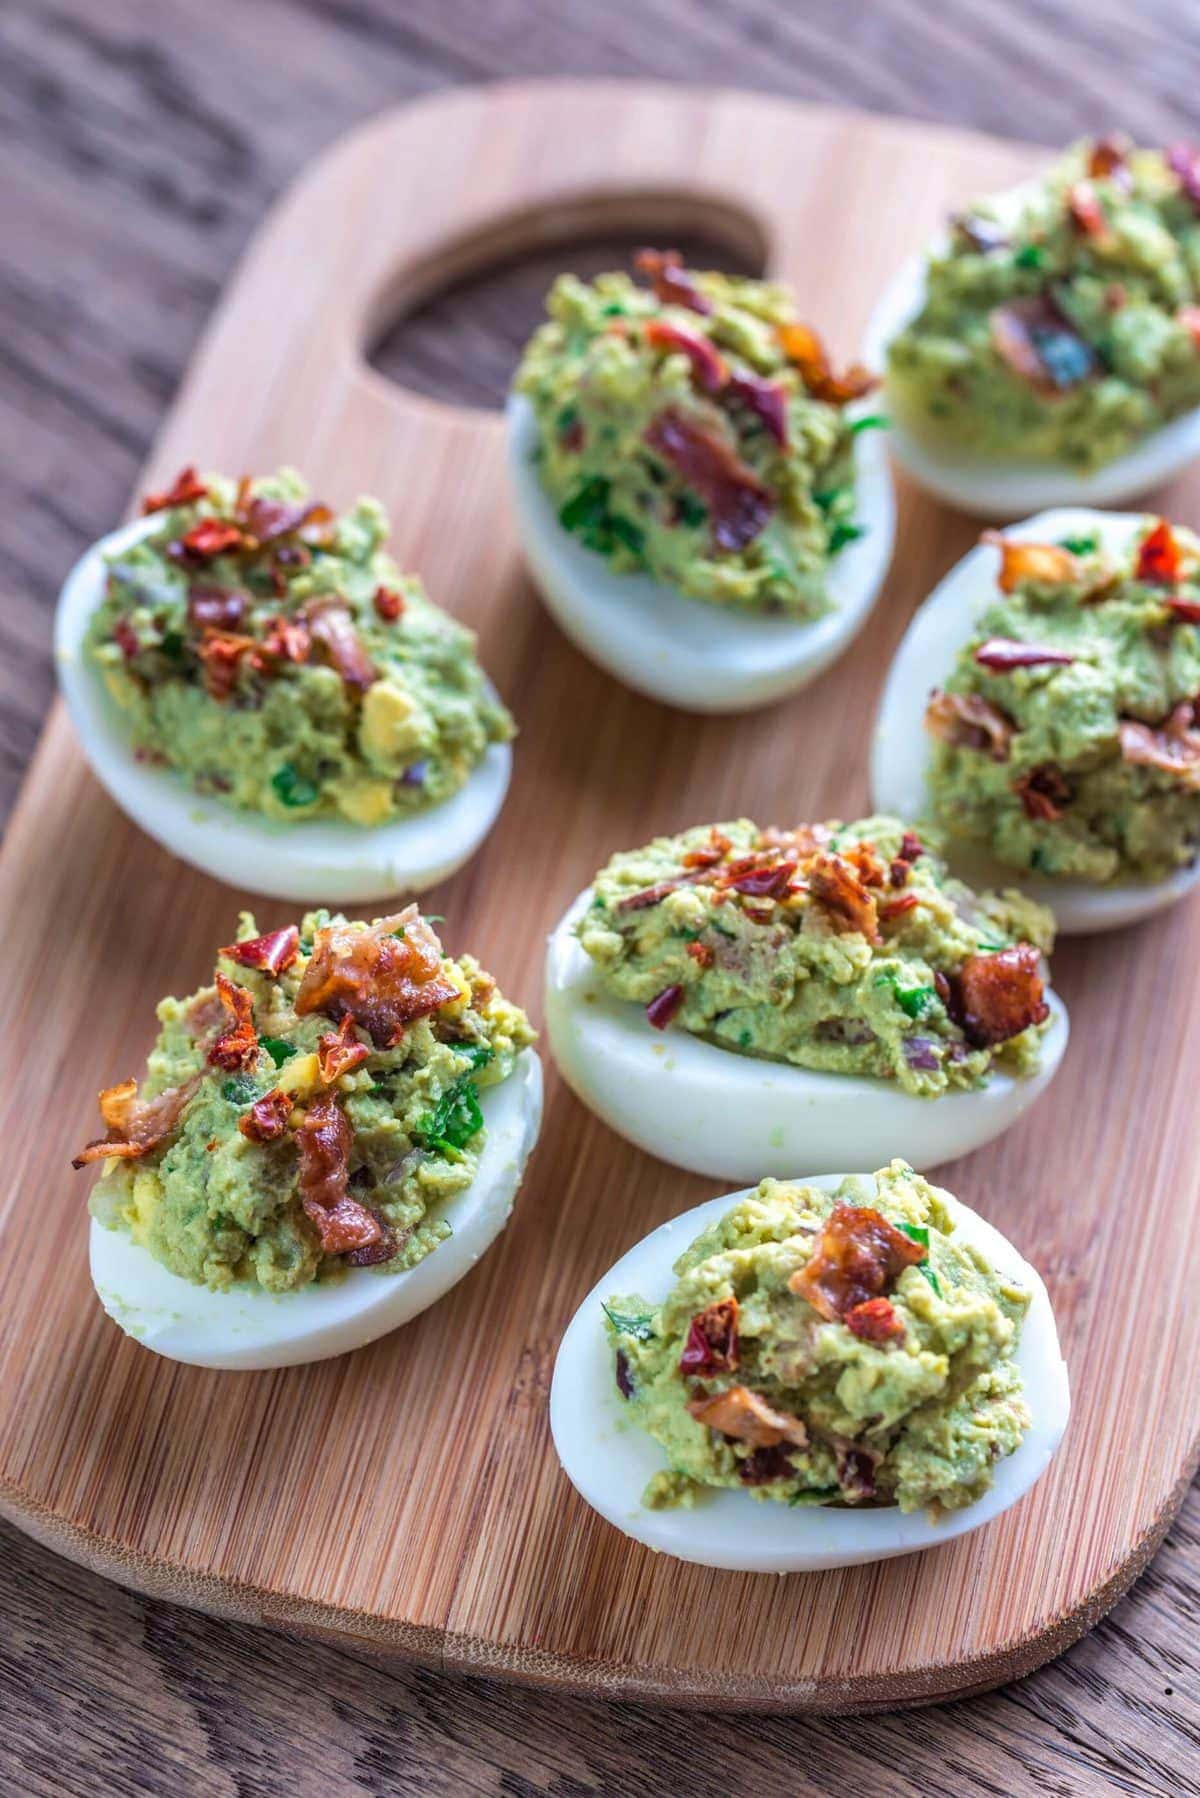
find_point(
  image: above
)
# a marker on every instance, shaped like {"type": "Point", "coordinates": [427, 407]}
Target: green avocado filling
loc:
{"type": "Point", "coordinates": [772, 1368]}
{"type": "Point", "coordinates": [273, 655]}
{"type": "Point", "coordinates": [842, 947]}
{"type": "Point", "coordinates": [1060, 321]}
{"type": "Point", "coordinates": [693, 430]}
{"type": "Point", "coordinates": [332, 1131]}
{"type": "Point", "coordinates": [1064, 737]}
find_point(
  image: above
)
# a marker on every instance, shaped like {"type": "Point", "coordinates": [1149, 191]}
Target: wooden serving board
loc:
{"type": "Point", "coordinates": [407, 1498]}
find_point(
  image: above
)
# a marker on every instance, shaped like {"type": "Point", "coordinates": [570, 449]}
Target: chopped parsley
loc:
{"type": "Point", "coordinates": [277, 1049]}
{"type": "Point", "coordinates": [914, 1001]}
{"type": "Point", "coordinates": [919, 1233]}
{"type": "Point", "coordinates": [1030, 255]}
{"type": "Point", "coordinates": [874, 421]}
{"type": "Point", "coordinates": [1085, 545]}
{"type": "Point", "coordinates": [454, 1120]}
{"type": "Point", "coordinates": [844, 531]}
{"type": "Point", "coordinates": [239, 1089]}
{"type": "Point", "coordinates": [478, 1054]}
{"type": "Point", "coordinates": [293, 788]}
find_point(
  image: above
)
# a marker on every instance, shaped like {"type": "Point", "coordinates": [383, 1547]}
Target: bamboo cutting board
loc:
{"type": "Point", "coordinates": [407, 1498]}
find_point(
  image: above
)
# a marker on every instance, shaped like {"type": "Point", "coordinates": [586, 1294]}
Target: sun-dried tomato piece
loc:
{"type": "Point", "coordinates": [1183, 160]}
{"type": "Point", "coordinates": [875, 1320]}
{"type": "Point", "coordinates": [672, 284]}
{"type": "Point", "coordinates": [802, 347]}
{"type": "Point", "coordinates": [267, 1118]}
{"type": "Point", "coordinates": [324, 1139]}
{"type": "Point", "coordinates": [843, 897]}
{"type": "Point", "coordinates": [891, 909]}
{"type": "Point", "coordinates": [911, 847]}
{"type": "Point", "coordinates": [738, 503]}
{"type": "Point", "coordinates": [758, 879]}
{"type": "Point", "coordinates": [708, 365]}
{"type": "Point", "coordinates": [859, 1256]}
{"type": "Point", "coordinates": [388, 603]}
{"type": "Point", "coordinates": [286, 640]}
{"type": "Point", "coordinates": [1183, 611]}
{"type": "Point", "coordinates": [1158, 557]}
{"type": "Point", "coordinates": [1002, 654]}
{"type": "Point", "coordinates": [186, 489]}
{"type": "Point", "coordinates": [1040, 345]}
{"type": "Point", "coordinates": [968, 721]}
{"type": "Point", "coordinates": [710, 853]}
{"type": "Point", "coordinates": [712, 1340]}
{"type": "Point", "coordinates": [210, 537]}
{"type": "Point", "coordinates": [237, 1045]}
{"type": "Point", "coordinates": [272, 953]}
{"type": "Point", "coordinates": [1173, 748]}
{"type": "Point", "coordinates": [743, 1415]}
{"type": "Point", "coordinates": [663, 1007]}
{"type": "Point", "coordinates": [384, 976]}
{"type": "Point", "coordinates": [766, 399]}
{"type": "Point", "coordinates": [1001, 995]}
{"type": "Point", "coordinates": [1087, 214]}
{"type": "Point", "coordinates": [1044, 793]}
{"type": "Point", "coordinates": [333, 628]}
{"type": "Point", "coordinates": [136, 1126]}
{"type": "Point", "coordinates": [1047, 563]}
{"type": "Point", "coordinates": [222, 655]}
{"type": "Point", "coordinates": [340, 1050]}
{"type": "Point", "coordinates": [702, 954]}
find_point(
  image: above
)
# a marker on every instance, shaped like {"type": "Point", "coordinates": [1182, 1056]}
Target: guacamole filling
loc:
{"type": "Point", "coordinates": [1061, 321]}
{"type": "Point", "coordinates": [693, 429]}
{"type": "Point", "coordinates": [273, 654]}
{"type": "Point", "coordinates": [843, 947]}
{"type": "Point", "coordinates": [817, 1348]}
{"type": "Point", "coordinates": [1065, 739]}
{"type": "Point", "coordinates": [315, 1108]}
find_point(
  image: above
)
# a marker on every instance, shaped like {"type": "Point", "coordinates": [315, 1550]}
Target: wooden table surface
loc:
{"type": "Point", "coordinates": [142, 140]}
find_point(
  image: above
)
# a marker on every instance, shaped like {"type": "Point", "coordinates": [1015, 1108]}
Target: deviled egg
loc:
{"type": "Point", "coordinates": [738, 1000]}
{"type": "Point", "coordinates": [1046, 351]}
{"type": "Point", "coordinates": [701, 498]}
{"type": "Point", "coordinates": [809, 1375]}
{"type": "Point", "coordinates": [1041, 710]}
{"type": "Point", "coordinates": [326, 1140]}
{"type": "Point", "coordinates": [260, 689]}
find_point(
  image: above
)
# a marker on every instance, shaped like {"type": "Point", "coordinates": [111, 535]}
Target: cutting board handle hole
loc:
{"type": "Point", "coordinates": [485, 289]}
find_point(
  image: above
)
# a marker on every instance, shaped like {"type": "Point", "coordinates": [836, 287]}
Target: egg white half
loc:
{"type": "Point", "coordinates": [737, 1117]}
{"type": "Point", "coordinates": [609, 1460]}
{"type": "Point", "coordinates": [700, 657]}
{"type": "Point", "coordinates": [316, 861]}
{"type": "Point", "coordinates": [994, 488]}
{"type": "Point", "coordinates": [245, 1327]}
{"type": "Point", "coordinates": [902, 750]}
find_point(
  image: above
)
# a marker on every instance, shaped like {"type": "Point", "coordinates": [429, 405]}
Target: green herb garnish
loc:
{"type": "Point", "coordinates": [919, 1233]}
{"type": "Point", "coordinates": [454, 1120]}
{"type": "Point", "coordinates": [874, 421]}
{"type": "Point", "coordinates": [478, 1054]}
{"type": "Point", "coordinates": [1030, 255]}
{"type": "Point", "coordinates": [277, 1049]}
{"type": "Point", "coordinates": [172, 644]}
{"type": "Point", "coordinates": [641, 1328]}
{"type": "Point", "coordinates": [239, 1089]}
{"type": "Point", "coordinates": [914, 1001]}
{"type": "Point", "coordinates": [844, 531]}
{"type": "Point", "coordinates": [815, 1495]}
{"type": "Point", "coordinates": [293, 788]}
{"type": "Point", "coordinates": [691, 510]}
{"type": "Point", "coordinates": [1086, 545]}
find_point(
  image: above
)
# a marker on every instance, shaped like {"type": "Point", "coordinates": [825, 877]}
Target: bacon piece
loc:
{"type": "Point", "coordinates": [267, 1118]}
{"type": "Point", "coordinates": [1107, 161]}
{"type": "Point", "coordinates": [896, 908]}
{"type": "Point", "coordinates": [663, 1006]}
{"type": "Point", "coordinates": [383, 1250]}
{"type": "Point", "coordinates": [672, 283]}
{"type": "Point", "coordinates": [209, 538]}
{"type": "Point", "coordinates": [1002, 654]}
{"type": "Point", "coordinates": [802, 346]}
{"type": "Point", "coordinates": [136, 1126]}
{"type": "Point", "coordinates": [126, 638]}
{"type": "Point", "coordinates": [856, 1465]}
{"type": "Point", "coordinates": [911, 847]}
{"type": "Point", "coordinates": [1044, 562]}
{"type": "Point", "coordinates": [875, 1320]}
{"type": "Point", "coordinates": [339, 1050]}
{"type": "Point", "coordinates": [739, 505]}
{"type": "Point", "coordinates": [1033, 338]}
{"type": "Point", "coordinates": [1183, 160]}
{"type": "Point", "coordinates": [237, 1045]}
{"type": "Point", "coordinates": [267, 520]}
{"type": "Point", "coordinates": [766, 399]}
{"type": "Point", "coordinates": [323, 1140]}
{"type": "Point", "coordinates": [333, 628]}
{"type": "Point", "coordinates": [1087, 214]}
{"type": "Point", "coordinates": [866, 864]}
{"type": "Point", "coordinates": [1043, 793]}
{"type": "Point", "coordinates": [758, 878]}
{"type": "Point", "coordinates": [708, 366]}
{"type": "Point", "coordinates": [286, 640]}
{"type": "Point", "coordinates": [388, 603]}
{"type": "Point", "coordinates": [968, 721]}
{"type": "Point", "coordinates": [222, 654]}
{"type": "Point", "coordinates": [1001, 995]}
{"type": "Point", "coordinates": [653, 895]}
{"type": "Point", "coordinates": [273, 953]}
{"type": "Point", "coordinates": [742, 1414]}
{"type": "Point", "coordinates": [1173, 748]}
{"type": "Point", "coordinates": [840, 892]}
{"type": "Point", "coordinates": [383, 980]}
{"type": "Point", "coordinates": [186, 489]}
{"type": "Point", "coordinates": [1158, 557]}
{"type": "Point", "coordinates": [216, 608]}
{"type": "Point", "coordinates": [712, 1340]}
{"type": "Point", "coordinates": [702, 954]}
{"type": "Point", "coordinates": [712, 852]}
{"type": "Point", "coordinates": [859, 1256]}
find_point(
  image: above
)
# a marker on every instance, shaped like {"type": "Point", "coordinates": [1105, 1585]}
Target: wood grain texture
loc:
{"type": "Point", "coordinates": [407, 1497]}
{"type": "Point", "coordinates": [141, 144]}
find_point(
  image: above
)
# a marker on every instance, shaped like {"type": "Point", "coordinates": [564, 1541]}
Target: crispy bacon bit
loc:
{"type": "Point", "coordinates": [136, 1126]}
{"type": "Point", "coordinates": [856, 1469]}
{"type": "Point", "coordinates": [712, 1340]}
{"type": "Point", "coordinates": [1040, 345]}
{"type": "Point", "coordinates": [222, 654]}
{"type": "Point", "coordinates": [663, 1006]}
{"type": "Point", "coordinates": [892, 909]}
{"type": "Point", "coordinates": [1087, 214]}
{"type": "Point", "coordinates": [739, 505]}
{"type": "Point", "coordinates": [911, 847]}
{"type": "Point", "coordinates": [1001, 995]}
{"type": "Point", "coordinates": [875, 1320]}
{"type": "Point", "coordinates": [185, 491]}
{"type": "Point", "coordinates": [267, 520]}
{"type": "Point", "coordinates": [758, 878]}
{"type": "Point", "coordinates": [712, 852]}
{"type": "Point", "coordinates": [701, 954]}
{"type": "Point", "coordinates": [802, 346]}
{"type": "Point", "coordinates": [384, 976]}
{"type": "Point", "coordinates": [389, 604]}
{"type": "Point", "coordinates": [652, 895]}
{"type": "Point", "coordinates": [1048, 563]}
{"type": "Point", "coordinates": [286, 640]}
{"type": "Point", "coordinates": [742, 1414]}
{"type": "Point", "coordinates": [979, 233]}
{"type": "Point", "coordinates": [216, 608]}
{"type": "Point", "coordinates": [1108, 161]}
{"type": "Point", "coordinates": [267, 1118]}
{"type": "Point", "coordinates": [968, 721]}
{"type": "Point", "coordinates": [1002, 654]}
{"type": "Point", "coordinates": [763, 1466]}
{"type": "Point", "coordinates": [766, 399]}
{"type": "Point", "coordinates": [1159, 556]}
{"type": "Point", "coordinates": [272, 953]}
{"type": "Point", "coordinates": [210, 537]}
{"type": "Point", "coordinates": [1183, 160]}
{"type": "Point", "coordinates": [126, 639]}
{"type": "Point", "coordinates": [333, 628]}
{"type": "Point", "coordinates": [237, 1045]}
{"type": "Point", "coordinates": [1043, 793]}
{"type": "Point", "coordinates": [1173, 748]}
{"type": "Point", "coordinates": [323, 1140]}
{"type": "Point", "coordinates": [859, 1256]}
{"type": "Point", "coordinates": [340, 1050]}
{"type": "Point", "coordinates": [383, 1250]}
{"type": "Point", "coordinates": [671, 282]}
{"type": "Point", "coordinates": [836, 887]}
{"type": "Point", "coordinates": [708, 366]}
{"type": "Point", "coordinates": [865, 862]}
